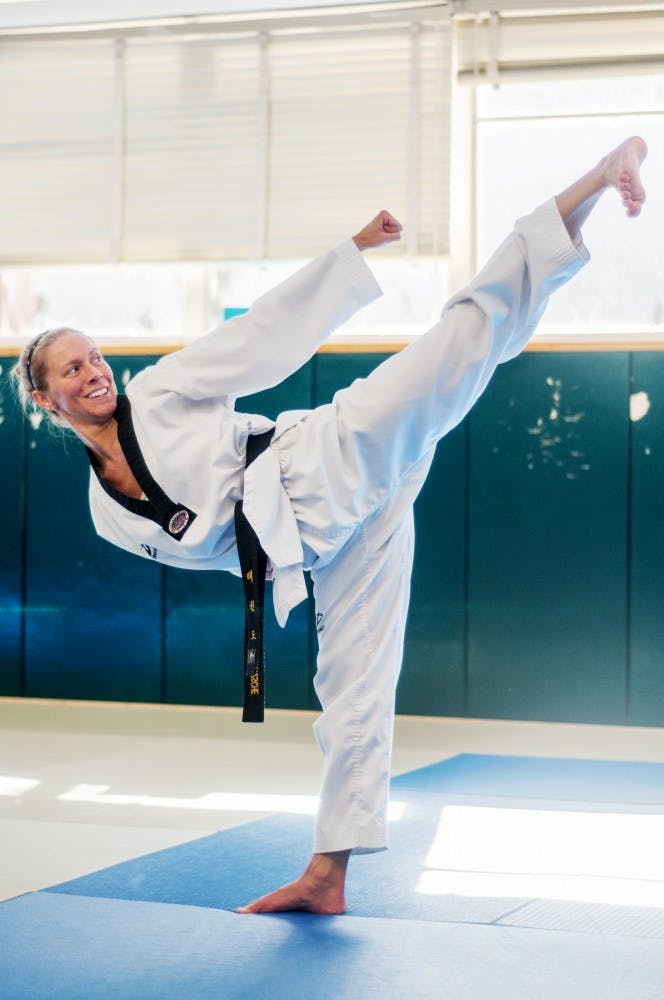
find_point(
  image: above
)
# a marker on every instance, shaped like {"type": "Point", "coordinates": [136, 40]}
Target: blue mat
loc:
{"type": "Point", "coordinates": [158, 927]}
{"type": "Point", "coordinates": [57, 947]}
{"type": "Point", "coordinates": [230, 868]}
{"type": "Point", "coordinates": [606, 781]}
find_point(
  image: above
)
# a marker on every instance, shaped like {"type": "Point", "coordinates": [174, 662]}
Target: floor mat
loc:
{"type": "Point", "coordinates": [456, 855]}
{"type": "Point", "coordinates": [60, 947]}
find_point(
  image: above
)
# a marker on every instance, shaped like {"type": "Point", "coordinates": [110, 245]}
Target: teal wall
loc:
{"type": "Point", "coordinates": [538, 582]}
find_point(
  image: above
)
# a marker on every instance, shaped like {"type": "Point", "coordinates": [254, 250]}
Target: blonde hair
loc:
{"type": "Point", "coordinates": [29, 372]}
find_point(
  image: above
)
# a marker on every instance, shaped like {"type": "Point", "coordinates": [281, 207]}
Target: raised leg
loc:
{"type": "Point", "coordinates": [345, 459]}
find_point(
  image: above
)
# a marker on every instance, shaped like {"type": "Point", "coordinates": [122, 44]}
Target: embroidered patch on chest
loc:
{"type": "Point", "coordinates": [178, 522]}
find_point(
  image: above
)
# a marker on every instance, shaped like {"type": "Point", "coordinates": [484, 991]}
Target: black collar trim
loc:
{"type": "Point", "coordinates": [174, 518]}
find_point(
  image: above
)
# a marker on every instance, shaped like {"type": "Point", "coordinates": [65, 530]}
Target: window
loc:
{"type": "Point", "coordinates": [535, 136]}
{"type": "Point", "coordinates": [151, 180]}
{"type": "Point", "coordinates": [239, 144]}
{"type": "Point", "coordinates": [170, 304]}
{"type": "Point", "coordinates": [126, 158]}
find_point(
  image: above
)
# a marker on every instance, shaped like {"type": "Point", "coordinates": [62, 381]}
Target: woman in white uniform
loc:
{"type": "Point", "coordinates": [333, 490]}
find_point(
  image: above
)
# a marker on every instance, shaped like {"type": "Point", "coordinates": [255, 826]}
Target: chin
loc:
{"type": "Point", "coordinates": [101, 410]}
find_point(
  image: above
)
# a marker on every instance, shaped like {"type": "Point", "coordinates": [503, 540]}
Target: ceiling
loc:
{"type": "Point", "coordinates": [19, 14]}
{"type": "Point", "coordinates": [42, 13]}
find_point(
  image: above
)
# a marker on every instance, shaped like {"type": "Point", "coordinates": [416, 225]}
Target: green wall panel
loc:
{"type": "Point", "coordinates": [432, 678]}
{"type": "Point", "coordinates": [203, 638]}
{"type": "Point", "coordinates": [646, 690]}
{"type": "Point", "coordinates": [93, 612]}
{"type": "Point", "coordinates": [11, 537]}
{"type": "Point", "coordinates": [204, 627]}
{"type": "Point", "coordinates": [295, 393]}
{"type": "Point", "coordinates": [336, 371]}
{"type": "Point", "coordinates": [548, 464]}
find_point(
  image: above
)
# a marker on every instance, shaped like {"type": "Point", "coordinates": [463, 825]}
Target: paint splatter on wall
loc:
{"type": "Point", "coordinates": [639, 405]}
{"type": "Point", "coordinates": [557, 442]}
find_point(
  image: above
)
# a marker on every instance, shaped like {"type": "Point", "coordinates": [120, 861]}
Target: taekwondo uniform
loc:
{"type": "Point", "coordinates": [334, 491]}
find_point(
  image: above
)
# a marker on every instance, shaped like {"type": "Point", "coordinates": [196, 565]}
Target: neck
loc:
{"type": "Point", "coordinates": [101, 439]}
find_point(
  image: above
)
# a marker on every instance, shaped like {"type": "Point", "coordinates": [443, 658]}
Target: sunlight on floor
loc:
{"type": "Point", "coordinates": [302, 805]}
{"type": "Point", "coordinates": [596, 857]}
{"type": "Point", "coordinates": [16, 786]}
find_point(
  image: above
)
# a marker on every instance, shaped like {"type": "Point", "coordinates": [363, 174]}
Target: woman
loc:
{"type": "Point", "coordinates": [332, 490]}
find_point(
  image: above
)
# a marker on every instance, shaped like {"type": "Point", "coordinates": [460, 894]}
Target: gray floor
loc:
{"type": "Point", "coordinates": [86, 785]}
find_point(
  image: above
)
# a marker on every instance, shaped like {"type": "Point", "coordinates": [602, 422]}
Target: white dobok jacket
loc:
{"type": "Point", "coordinates": [193, 441]}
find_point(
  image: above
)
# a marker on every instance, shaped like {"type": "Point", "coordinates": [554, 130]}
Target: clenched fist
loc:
{"type": "Point", "coordinates": [383, 229]}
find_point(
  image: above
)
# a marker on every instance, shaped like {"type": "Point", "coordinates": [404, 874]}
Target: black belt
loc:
{"type": "Point", "coordinates": [253, 563]}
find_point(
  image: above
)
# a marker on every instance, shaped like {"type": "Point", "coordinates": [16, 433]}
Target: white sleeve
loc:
{"type": "Point", "coordinates": [279, 333]}
{"type": "Point", "coordinates": [513, 287]}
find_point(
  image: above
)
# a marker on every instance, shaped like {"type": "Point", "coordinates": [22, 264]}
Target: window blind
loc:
{"type": "Point", "coordinates": [192, 149]}
{"type": "Point", "coordinates": [585, 41]}
{"type": "Point", "coordinates": [358, 122]}
{"type": "Point", "coordinates": [546, 7]}
{"type": "Point", "coordinates": [228, 145]}
{"type": "Point", "coordinates": [57, 142]}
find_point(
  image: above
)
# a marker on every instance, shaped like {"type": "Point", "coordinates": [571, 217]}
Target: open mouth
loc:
{"type": "Point", "coordinates": [97, 393]}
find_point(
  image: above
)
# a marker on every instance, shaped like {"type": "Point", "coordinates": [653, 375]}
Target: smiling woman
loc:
{"type": "Point", "coordinates": [76, 374]}
{"type": "Point", "coordinates": [64, 373]}
{"type": "Point", "coordinates": [31, 371]}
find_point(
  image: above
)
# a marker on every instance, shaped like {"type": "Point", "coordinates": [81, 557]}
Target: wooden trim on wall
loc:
{"type": "Point", "coordinates": [543, 346]}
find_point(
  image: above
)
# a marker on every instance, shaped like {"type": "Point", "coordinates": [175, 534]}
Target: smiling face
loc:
{"type": "Point", "coordinates": [79, 383]}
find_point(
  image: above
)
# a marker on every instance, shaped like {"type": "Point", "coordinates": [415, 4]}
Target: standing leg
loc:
{"type": "Point", "coordinates": [385, 426]}
{"type": "Point", "coordinates": [362, 603]}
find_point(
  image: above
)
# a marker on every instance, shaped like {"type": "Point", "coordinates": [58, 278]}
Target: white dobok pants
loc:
{"type": "Point", "coordinates": [352, 470]}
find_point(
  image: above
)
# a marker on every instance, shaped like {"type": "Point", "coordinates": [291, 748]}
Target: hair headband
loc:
{"type": "Point", "coordinates": [29, 359]}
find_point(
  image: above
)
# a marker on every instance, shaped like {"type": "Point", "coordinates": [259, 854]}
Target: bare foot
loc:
{"type": "Point", "coordinates": [622, 171]}
{"type": "Point", "coordinates": [320, 889]}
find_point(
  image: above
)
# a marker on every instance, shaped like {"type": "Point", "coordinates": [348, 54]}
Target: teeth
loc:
{"type": "Point", "coordinates": [99, 392]}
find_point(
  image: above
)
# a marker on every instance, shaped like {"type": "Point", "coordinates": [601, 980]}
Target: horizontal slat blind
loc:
{"type": "Point", "coordinates": [546, 7]}
{"type": "Point", "coordinates": [224, 146]}
{"type": "Point", "coordinates": [540, 45]}
{"type": "Point", "coordinates": [191, 150]}
{"type": "Point", "coordinates": [56, 150]}
{"type": "Point", "coordinates": [343, 121]}
{"type": "Point", "coordinates": [435, 100]}
{"type": "Point", "coordinates": [338, 135]}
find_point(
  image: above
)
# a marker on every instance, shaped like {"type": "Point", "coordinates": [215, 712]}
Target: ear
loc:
{"type": "Point", "coordinates": [43, 400]}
